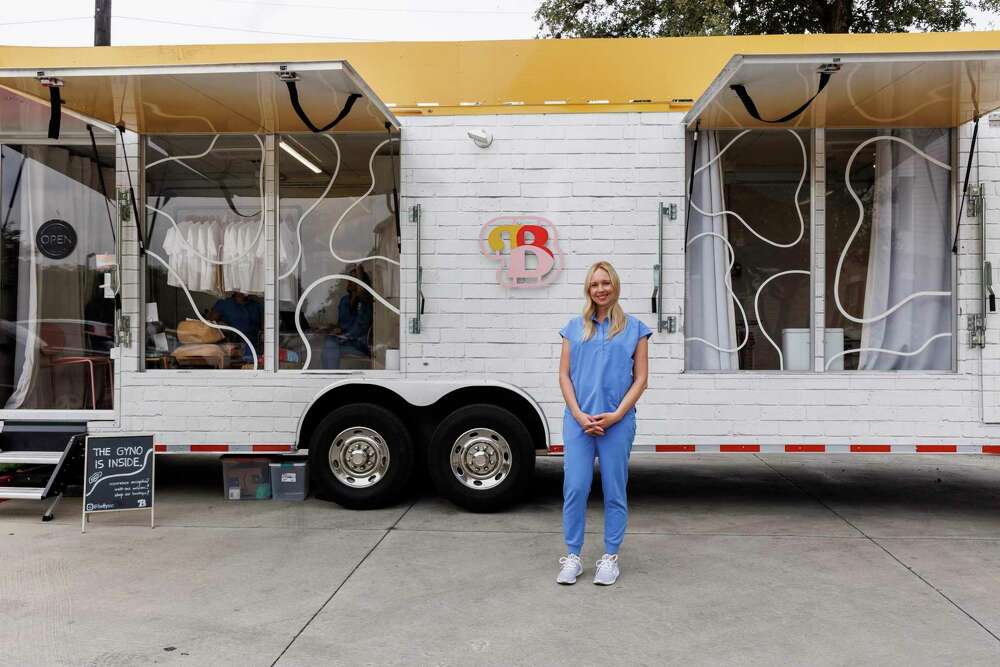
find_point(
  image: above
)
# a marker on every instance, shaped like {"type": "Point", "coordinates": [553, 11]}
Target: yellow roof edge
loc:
{"type": "Point", "coordinates": [515, 76]}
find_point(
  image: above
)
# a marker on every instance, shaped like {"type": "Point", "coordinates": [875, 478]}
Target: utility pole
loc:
{"type": "Point", "coordinates": [102, 22]}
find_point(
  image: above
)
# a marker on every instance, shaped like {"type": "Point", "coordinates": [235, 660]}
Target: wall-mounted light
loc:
{"type": "Point", "coordinates": [481, 138]}
{"type": "Point", "coordinates": [298, 156]}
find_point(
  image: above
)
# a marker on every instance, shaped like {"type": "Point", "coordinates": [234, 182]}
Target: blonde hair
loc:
{"type": "Point", "coordinates": [615, 313]}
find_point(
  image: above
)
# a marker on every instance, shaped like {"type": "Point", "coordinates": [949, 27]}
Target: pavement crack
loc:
{"type": "Point", "coordinates": [344, 581]}
{"type": "Point", "coordinates": [878, 544]}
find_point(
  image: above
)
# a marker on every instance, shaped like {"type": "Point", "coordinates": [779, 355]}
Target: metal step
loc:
{"type": "Point", "coordinates": [21, 492]}
{"type": "Point", "coordinates": [43, 458]}
{"type": "Point", "coordinates": [44, 436]}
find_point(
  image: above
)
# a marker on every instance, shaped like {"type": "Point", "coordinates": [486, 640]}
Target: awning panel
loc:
{"type": "Point", "coordinates": [864, 91]}
{"type": "Point", "coordinates": [210, 99]}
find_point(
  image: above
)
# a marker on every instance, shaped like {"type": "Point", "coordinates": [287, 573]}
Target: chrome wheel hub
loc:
{"type": "Point", "coordinates": [359, 457]}
{"type": "Point", "coordinates": [480, 458]}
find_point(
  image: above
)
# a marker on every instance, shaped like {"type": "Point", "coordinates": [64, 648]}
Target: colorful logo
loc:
{"type": "Point", "coordinates": [526, 248]}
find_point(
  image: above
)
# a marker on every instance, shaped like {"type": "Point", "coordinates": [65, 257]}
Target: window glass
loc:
{"type": "Point", "coordinates": [56, 319]}
{"type": "Point", "coordinates": [205, 270]}
{"type": "Point", "coordinates": [748, 304]}
{"type": "Point", "coordinates": [888, 250]}
{"type": "Point", "coordinates": [338, 252]}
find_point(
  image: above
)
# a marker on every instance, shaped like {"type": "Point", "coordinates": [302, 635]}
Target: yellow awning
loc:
{"type": "Point", "coordinates": [863, 91]}
{"type": "Point", "coordinates": [245, 98]}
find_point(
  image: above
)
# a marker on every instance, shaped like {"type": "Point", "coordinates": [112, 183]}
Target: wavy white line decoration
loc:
{"type": "Point", "coordinates": [298, 226]}
{"type": "Point", "coordinates": [260, 225]}
{"type": "Point", "coordinates": [194, 307]}
{"type": "Point", "coordinates": [180, 158]}
{"type": "Point", "coordinates": [884, 351]}
{"type": "Point", "coordinates": [319, 281]}
{"type": "Point", "coordinates": [798, 210]}
{"type": "Point", "coordinates": [333, 232]}
{"type": "Point", "coordinates": [756, 311]}
{"type": "Point", "coordinates": [729, 286]}
{"type": "Point", "coordinates": [933, 93]}
{"type": "Point", "coordinates": [857, 227]}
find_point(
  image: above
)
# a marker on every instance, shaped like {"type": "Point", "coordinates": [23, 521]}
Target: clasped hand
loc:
{"type": "Point", "coordinates": [597, 425]}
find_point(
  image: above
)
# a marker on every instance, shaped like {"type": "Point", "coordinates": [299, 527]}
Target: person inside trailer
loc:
{"type": "Point", "coordinates": [354, 322]}
{"type": "Point", "coordinates": [244, 314]}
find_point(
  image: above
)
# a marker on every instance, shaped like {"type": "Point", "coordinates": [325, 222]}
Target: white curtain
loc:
{"type": "Point", "coordinates": [55, 185]}
{"type": "Point", "coordinates": [910, 252]}
{"type": "Point", "coordinates": [28, 280]}
{"type": "Point", "coordinates": [709, 304]}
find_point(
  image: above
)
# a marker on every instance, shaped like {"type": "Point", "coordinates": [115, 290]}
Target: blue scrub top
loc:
{"type": "Point", "coordinates": [246, 317]}
{"type": "Point", "coordinates": [601, 369]}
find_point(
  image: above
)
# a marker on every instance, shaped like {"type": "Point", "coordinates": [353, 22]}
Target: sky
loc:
{"type": "Point", "coordinates": [70, 22]}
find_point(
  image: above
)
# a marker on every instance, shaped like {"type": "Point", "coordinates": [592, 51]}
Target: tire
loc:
{"type": "Point", "coordinates": [498, 460]}
{"type": "Point", "coordinates": [379, 473]}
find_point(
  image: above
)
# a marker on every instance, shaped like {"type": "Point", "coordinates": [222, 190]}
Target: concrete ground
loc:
{"type": "Point", "coordinates": [730, 559]}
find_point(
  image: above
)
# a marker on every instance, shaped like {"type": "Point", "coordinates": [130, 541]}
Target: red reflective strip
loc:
{"type": "Point", "coordinates": [871, 449]}
{"type": "Point", "coordinates": [160, 448]}
{"type": "Point", "coordinates": [209, 448]}
{"type": "Point", "coordinates": [739, 448]}
{"type": "Point", "coordinates": [937, 449]}
{"type": "Point", "coordinates": [805, 448]}
{"type": "Point", "coordinates": [675, 448]}
{"type": "Point", "coordinates": [991, 449]}
{"type": "Point", "coordinates": [555, 448]}
{"type": "Point", "coordinates": [270, 448]}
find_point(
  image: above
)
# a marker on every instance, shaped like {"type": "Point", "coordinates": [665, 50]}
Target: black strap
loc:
{"type": "Point", "coordinates": [965, 188]}
{"type": "Point", "coordinates": [740, 89]}
{"type": "Point", "coordinates": [293, 96]}
{"type": "Point", "coordinates": [229, 201]}
{"type": "Point", "coordinates": [131, 193]}
{"type": "Point", "coordinates": [395, 190]}
{"type": "Point", "coordinates": [694, 161]}
{"type": "Point", "coordinates": [100, 178]}
{"type": "Point", "coordinates": [55, 111]}
{"type": "Point", "coordinates": [13, 193]}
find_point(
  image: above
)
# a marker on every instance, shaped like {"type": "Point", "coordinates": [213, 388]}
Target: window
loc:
{"type": "Point", "coordinates": [748, 253]}
{"type": "Point", "coordinates": [206, 263]}
{"type": "Point", "coordinates": [338, 256]}
{"type": "Point", "coordinates": [56, 317]}
{"type": "Point", "coordinates": [888, 250]}
{"type": "Point", "coordinates": [886, 242]}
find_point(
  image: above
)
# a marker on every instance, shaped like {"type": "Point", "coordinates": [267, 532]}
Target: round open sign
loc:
{"type": "Point", "coordinates": [56, 239]}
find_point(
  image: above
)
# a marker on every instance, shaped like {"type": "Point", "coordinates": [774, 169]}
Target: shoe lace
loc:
{"type": "Point", "coordinates": [570, 561]}
{"type": "Point", "coordinates": [607, 561]}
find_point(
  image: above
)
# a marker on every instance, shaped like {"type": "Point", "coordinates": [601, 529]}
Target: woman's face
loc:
{"type": "Point", "coordinates": [602, 293]}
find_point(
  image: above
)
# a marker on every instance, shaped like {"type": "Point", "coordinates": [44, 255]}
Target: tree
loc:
{"type": "Point", "coordinates": [673, 18]}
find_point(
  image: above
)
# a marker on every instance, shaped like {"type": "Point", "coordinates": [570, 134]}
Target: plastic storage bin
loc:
{"type": "Point", "coordinates": [290, 480]}
{"type": "Point", "coordinates": [246, 477]}
{"type": "Point", "coordinates": [795, 349]}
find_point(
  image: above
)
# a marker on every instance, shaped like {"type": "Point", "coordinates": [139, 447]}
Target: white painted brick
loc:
{"type": "Point", "coordinates": [599, 177]}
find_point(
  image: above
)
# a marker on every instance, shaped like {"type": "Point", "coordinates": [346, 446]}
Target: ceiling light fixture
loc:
{"type": "Point", "coordinates": [298, 156]}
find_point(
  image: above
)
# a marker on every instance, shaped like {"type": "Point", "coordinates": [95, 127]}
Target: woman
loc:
{"type": "Point", "coordinates": [602, 373]}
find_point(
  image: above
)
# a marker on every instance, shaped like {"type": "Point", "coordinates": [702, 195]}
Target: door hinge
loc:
{"type": "Point", "coordinates": [975, 201]}
{"type": "Point", "coordinates": [977, 330]}
{"type": "Point", "coordinates": [124, 331]}
{"type": "Point", "coordinates": [124, 205]}
{"type": "Point", "coordinates": [668, 210]}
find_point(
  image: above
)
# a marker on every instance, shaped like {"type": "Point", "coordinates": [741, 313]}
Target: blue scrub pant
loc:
{"type": "Point", "coordinates": [612, 450]}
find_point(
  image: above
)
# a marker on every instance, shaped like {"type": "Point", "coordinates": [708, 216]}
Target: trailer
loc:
{"type": "Point", "coordinates": [364, 252]}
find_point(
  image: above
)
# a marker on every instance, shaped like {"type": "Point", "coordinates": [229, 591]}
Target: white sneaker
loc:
{"type": "Point", "coordinates": [571, 569]}
{"type": "Point", "coordinates": [607, 570]}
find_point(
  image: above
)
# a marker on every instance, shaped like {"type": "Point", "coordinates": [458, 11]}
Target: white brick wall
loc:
{"type": "Point", "coordinates": [599, 179]}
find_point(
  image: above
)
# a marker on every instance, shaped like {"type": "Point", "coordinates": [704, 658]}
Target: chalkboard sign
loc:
{"type": "Point", "coordinates": [118, 474]}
